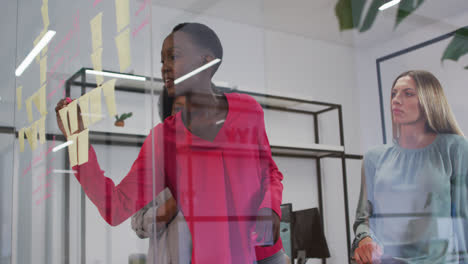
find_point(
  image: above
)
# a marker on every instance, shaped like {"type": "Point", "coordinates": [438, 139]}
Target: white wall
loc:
{"type": "Point", "coordinates": [256, 59]}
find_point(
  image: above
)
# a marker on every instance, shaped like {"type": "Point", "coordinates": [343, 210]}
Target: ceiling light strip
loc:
{"type": "Point", "coordinates": [34, 52]}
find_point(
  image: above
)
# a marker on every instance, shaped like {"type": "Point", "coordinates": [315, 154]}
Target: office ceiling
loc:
{"type": "Point", "coordinates": [316, 18]}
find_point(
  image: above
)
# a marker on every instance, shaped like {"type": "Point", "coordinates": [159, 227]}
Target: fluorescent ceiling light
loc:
{"type": "Point", "coordinates": [388, 4]}
{"type": "Point", "coordinates": [61, 146]}
{"type": "Point", "coordinates": [34, 52]}
{"type": "Point", "coordinates": [192, 73]}
{"type": "Point", "coordinates": [65, 171]}
{"type": "Point", "coordinates": [117, 75]}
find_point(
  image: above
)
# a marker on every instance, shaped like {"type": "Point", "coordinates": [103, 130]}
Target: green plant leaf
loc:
{"type": "Point", "coordinates": [125, 116]}
{"type": "Point", "coordinates": [116, 117]}
{"type": "Point", "coordinates": [371, 15]}
{"type": "Point", "coordinates": [405, 8]}
{"type": "Point", "coordinates": [466, 67]}
{"type": "Point", "coordinates": [458, 46]}
{"type": "Point", "coordinates": [349, 13]}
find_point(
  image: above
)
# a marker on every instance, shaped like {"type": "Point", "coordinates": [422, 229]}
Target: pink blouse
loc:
{"type": "Point", "coordinates": [219, 185]}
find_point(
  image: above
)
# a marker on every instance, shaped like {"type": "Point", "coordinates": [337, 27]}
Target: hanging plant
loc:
{"type": "Point", "coordinates": [350, 13]}
{"type": "Point", "coordinates": [119, 121]}
{"type": "Point", "coordinates": [458, 46]}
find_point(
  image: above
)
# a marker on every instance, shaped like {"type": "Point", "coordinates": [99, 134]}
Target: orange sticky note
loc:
{"type": "Point", "coordinates": [21, 139]}
{"type": "Point", "coordinates": [41, 129]}
{"type": "Point", "coordinates": [29, 109]}
{"type": "Point", "coordinates": [83, 146]}
{"type": "Point", "coordinates": [63, 115]}
{"type": "Point", "coordinates": [108, 89]}
{"type": "Point", "coordinates": [96, 31]}
{"type": "Point", "coordinates": [73, 115]}
{"type": "Point", "coordinates": [122, 14]}
{"type": "Point", "coordinates": [43, 69]}
{"type": "Point", "coordinates": [123, 47]}
{"type": "Point", "coordinates": [72, 150]}
{"type": "Point", "coordinates": [95, 104]}
{"type": "Point", "coordinates": [19, 96]}
{"type": "Point", "coordinates": [84, 107]}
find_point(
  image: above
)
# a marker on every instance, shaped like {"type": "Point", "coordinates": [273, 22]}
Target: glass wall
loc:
{"type": "Point", "coordinates": [270, 108]}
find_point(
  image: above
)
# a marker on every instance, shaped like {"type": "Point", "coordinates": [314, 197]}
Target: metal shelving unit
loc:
{"type": "Point", "coordinates": [315, 151]}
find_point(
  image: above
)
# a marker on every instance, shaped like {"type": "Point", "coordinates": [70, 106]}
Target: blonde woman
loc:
{"type": "Point", "coordinates": [413, 201]}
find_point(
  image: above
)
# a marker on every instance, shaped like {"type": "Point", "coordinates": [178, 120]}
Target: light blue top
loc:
{"type": "Point", "coordinates": [414, 202]}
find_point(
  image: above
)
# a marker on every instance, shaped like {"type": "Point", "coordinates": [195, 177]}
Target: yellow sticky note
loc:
{"type": "Point", "coordinates": [83, 147]}
{"type": "Point", "coordinates": [28, 132]}
{"type": "Point", "coordinates": [45, 15]}
{"type": "Point", "coordinates": [95, 104]}
{"type": "Point", "coordinates": [73, 115]}
{"type": "Point", "coordinates": [72, 149]}
{"type": "Point", "coordinates": [36, 100]}
{"type": "Point", "coordinates": [36, 41]}
{"type": "Point", "coordinates": [44, 50]}
{"type": "Point", "coordinates": [84, 107]}
{"type": "Point", "coordinates": [108, 89]}
{"type": "Point", "coordinates": [99, 79]}
{"type": "Point", "coordinates": [19, 96]}
{"type": "Point", "coordinates": [41, 128]}
{"type": "Point", "coordinates": [43, 69]}
{"type": "Point", "coordinates": [122, 14]}
{"type": "Point", "coordinates": [96, 31]}
{"type": "Point", "coordinates": [42, 100]}
{"type": "Point", "coordinates": [31, 135]}
{"type": "Point", "coordinates": [29, 109]}
{"type": "Point", "coordinates": [34, 135]}
{"type": "Point", "coordinates": [21, 139]}
{"type": "Point", "coordinates": [96, 59]}
{"type": "Point", "coordinates": [63, 116]}
{"type": "Point", "coordinates": [123, 47]}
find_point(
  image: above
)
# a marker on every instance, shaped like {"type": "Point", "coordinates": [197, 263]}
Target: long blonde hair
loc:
{"type": "Point", "coordinates": [434, 106]}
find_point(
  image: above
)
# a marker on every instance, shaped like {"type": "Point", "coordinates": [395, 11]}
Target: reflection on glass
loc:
{"type": "Point", "coordinates": [213, 156]}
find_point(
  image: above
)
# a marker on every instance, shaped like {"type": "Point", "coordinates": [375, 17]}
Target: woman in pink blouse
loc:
{"type": "Point", "coordinates": [213, 155]}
